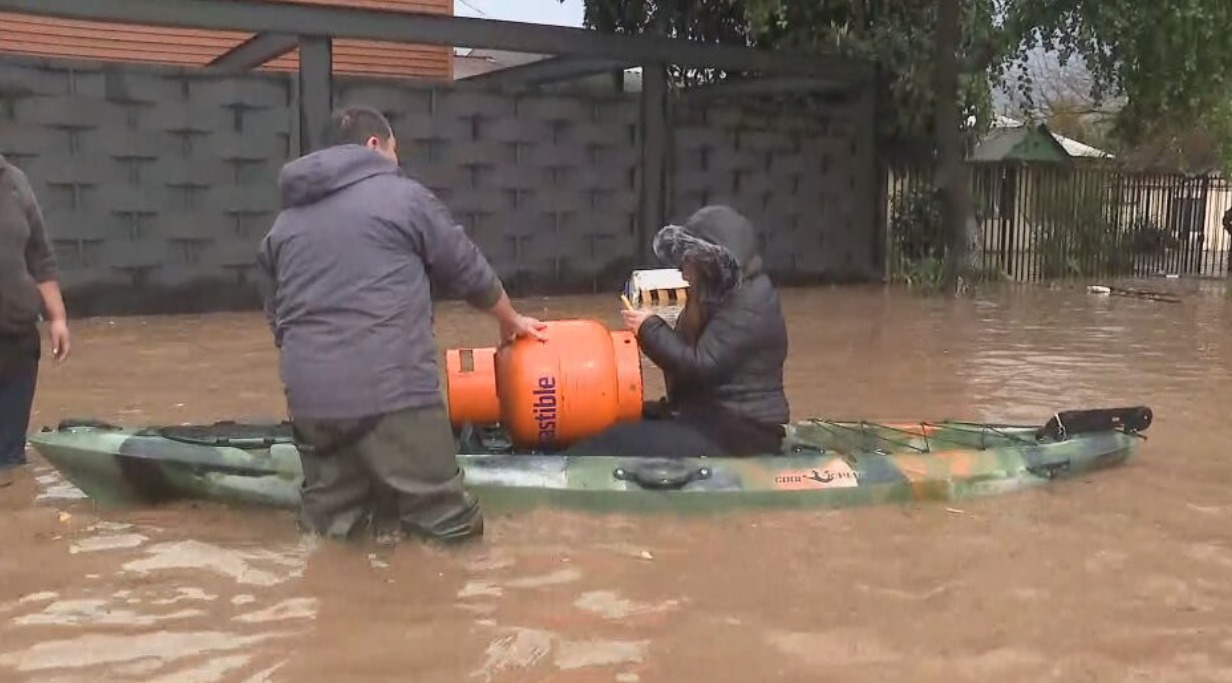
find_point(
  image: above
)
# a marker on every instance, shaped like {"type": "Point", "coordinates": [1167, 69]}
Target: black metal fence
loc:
{"type": "Point", "coordinates": [1044, 221]}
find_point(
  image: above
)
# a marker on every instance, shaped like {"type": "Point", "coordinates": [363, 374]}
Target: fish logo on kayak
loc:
{"type": "Point", "coordinates": [824, 477]}
{"type": "Point", "coordinates": [831, 476]}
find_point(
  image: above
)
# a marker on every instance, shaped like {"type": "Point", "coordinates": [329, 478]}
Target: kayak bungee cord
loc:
{"type": "Point", "coordinates": [832, 427]}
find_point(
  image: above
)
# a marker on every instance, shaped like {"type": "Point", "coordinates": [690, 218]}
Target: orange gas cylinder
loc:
{"type": "Point", "coordinates": [584, 379]}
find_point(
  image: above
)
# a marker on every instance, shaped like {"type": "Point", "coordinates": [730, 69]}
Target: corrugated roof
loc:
{"type": "Point", "coordinates": [997, 144]}
{"type": "Point", "coordinates": [69, 39]}
{"type": "Point", "coordinates": [1072, 147]}
{"type": "Point", "coordinates": [1020, 143]}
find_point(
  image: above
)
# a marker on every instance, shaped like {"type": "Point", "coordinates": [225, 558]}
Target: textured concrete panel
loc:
{"type": "Point", "coordinates": [537, 180]}
{"type": "Point", "coordinates": [803, 176]}
{"type": "Point", "coordinates": [152, 182]}
{"type": "Point", "coordinates": [158, 183]}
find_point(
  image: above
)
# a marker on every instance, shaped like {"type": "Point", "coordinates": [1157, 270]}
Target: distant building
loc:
{"type": "Point", "coordinates": [66, 39]}
{"type": "Point", "coordinates": [468, 62]}
{"type": "Point", "coordinates": [1005, 129]}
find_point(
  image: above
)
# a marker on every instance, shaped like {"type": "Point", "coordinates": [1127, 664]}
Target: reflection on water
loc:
{"type": "Point", "coordinates": [522, 648]}
{"type": "Point", "coordinates": [98, 613]}
{"type": "Point", "coordinates": [158, 628]}
{"type": "Point", "coordinates": [141, 654]}
{"type": "Point", "coordinates": [252, 567]}
{"type": "Point", "coordinates": [610, 605]}
{"type": "Point", "coordinates": [1134, 560]}
{"type": "Point", "coordinates": [562, 636]}
{"type": "Point", "coordinates": [54, 487]}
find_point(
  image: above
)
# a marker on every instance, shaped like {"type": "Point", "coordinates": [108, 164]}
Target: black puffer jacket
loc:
{"type": "Point", "coordinates": [730, 382]}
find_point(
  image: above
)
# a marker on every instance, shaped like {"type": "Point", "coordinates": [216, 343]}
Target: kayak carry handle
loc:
{"type": "Point", "coordinates": [79, 422]}
{"type": "Point", "coordinates": [662, 476]}
{"type": "Point", "coordinates": [1131, 420]}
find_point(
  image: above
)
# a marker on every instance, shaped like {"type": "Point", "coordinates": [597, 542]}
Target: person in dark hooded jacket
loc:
{"type": "Point", "coordinates": [723, 363]}
{"type": "Point", "coordinates": [29, 287]}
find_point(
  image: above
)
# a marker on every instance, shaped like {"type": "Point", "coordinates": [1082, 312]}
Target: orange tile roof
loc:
{"type": "Point", "coordinates": [70, 39]}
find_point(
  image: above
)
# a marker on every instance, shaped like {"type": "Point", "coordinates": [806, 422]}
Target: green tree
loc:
{"type": "Point", "coordinates": [1170, 62]}
{"type": "Point", "coordinates": [707, 21]}
{"type": "Point", "coordinates": [898, 34]}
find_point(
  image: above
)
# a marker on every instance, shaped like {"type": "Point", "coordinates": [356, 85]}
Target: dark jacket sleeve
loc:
{"type": "Point", "coordinates": [452, 259]}
{"type": "Point", "coordinates": [40, 258]}
{"type": "Point", "coordinates": [728, 336]}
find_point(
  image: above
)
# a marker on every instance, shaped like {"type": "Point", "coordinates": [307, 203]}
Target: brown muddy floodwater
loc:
{"type": "Point", "coordinates": [1122, 576]}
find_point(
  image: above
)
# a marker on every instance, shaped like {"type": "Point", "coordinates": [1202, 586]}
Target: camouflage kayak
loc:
{"type": "Point", "coordinates": [824, 463]}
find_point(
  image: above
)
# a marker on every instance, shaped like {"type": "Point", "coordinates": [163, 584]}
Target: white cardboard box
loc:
{"type": "Point", "coordinates": [660, 290]}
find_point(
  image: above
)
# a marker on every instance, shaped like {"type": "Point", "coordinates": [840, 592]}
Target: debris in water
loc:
{"type": "Point", "coordinates": [377, 563]}
{"type": "Point", "coordinates": [106, 542]}
{"type": "Point", "coordinates": [1135, 293]}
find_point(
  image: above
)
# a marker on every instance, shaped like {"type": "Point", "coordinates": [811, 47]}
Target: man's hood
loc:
{"type": "Point", "coordinates": [315, 176]}
{"type": "Point", "coordinates": [717, 238]}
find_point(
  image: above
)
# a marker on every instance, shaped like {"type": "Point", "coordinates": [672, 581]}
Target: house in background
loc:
{"type": "Point", "coordinates": [1020, 174]}
{"type": "Point", "coordinates": [1006, 126]}
{"type": "Point", "coordinates": [1013, 166]}
{"type": "Point", "coordinates": [1175, 194]}
{"type": "Point", "coordinates": [470, 62]}
{"type": "Point", "coordinates": [68, 39]}
{"type": "Point", "coordinates": [1029, 183]}
{"type": "Point", "coordinates": [1185, 193]}
{"type": "Point", "coordinates": [35, 36]}
{"type": "Point", "coordinates": [1017, 171]}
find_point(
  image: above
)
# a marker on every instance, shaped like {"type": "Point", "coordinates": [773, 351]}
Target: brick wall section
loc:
{"type": "Point", "coordinates": [158, 183]}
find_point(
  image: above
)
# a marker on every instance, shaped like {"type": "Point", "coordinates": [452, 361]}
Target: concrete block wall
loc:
{"type": "Point", "coordinates": [805, 179]}
{"type": "Point", "coordinates": [546, 184]}
{"type": "Point", "coordinates": [157, 184]}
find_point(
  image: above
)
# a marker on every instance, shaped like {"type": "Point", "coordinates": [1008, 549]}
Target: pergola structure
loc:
{"type": "Point", "coordinates": [279, 27]}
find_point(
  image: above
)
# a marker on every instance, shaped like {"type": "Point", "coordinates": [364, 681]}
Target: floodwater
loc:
{"type": "Point", "coordinates": [1117, 577]}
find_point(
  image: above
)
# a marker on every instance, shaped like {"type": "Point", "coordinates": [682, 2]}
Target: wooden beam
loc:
{"type": "Point", "coordinates": [253, 52]}
{"type": "Point", "coordinates": [265, 16]}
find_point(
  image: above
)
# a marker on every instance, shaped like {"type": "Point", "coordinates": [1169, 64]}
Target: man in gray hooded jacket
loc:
{"type": "Point", "coordinates": [348, 265]}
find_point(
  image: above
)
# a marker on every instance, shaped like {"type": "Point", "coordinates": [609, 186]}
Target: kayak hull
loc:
{"type": "Point", "coordinates": [824, 464]}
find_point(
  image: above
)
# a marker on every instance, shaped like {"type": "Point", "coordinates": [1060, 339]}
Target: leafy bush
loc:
{"type": "Point", "coordinates": [919, 242]}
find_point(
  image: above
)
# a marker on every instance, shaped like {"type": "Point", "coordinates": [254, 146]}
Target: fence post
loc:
{"type": "Point", "coordinates": [882, 239]}
{"type": "Point", "coordinates": [316, 90]}
{"type": "Point", "coordinates": [652, 211]}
